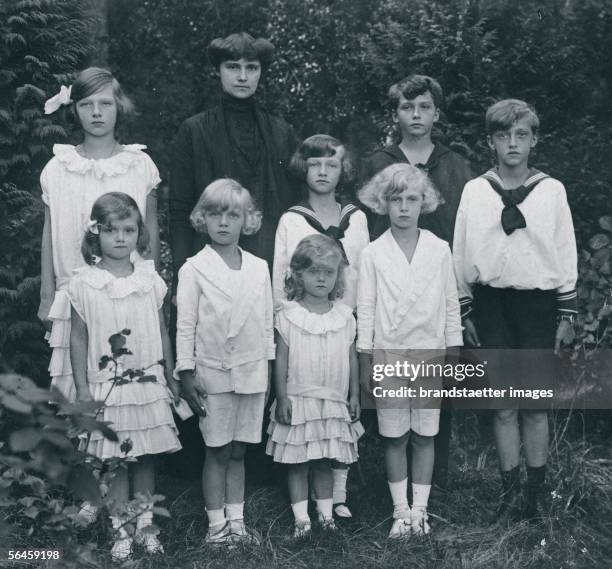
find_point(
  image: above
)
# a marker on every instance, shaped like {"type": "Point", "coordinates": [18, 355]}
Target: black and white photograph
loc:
{"type": "Point", "coordinates": [306, 284]}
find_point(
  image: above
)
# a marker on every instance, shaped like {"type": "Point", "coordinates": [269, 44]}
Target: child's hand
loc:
{"type": "Point", "coordinates": [365, 373]}
{"type": "Point", "coordinates": [565, 336]}
{"type": "Point", "coordinates": [84, 395]}
{"type": "Point", "coordinates": [470, 336]}
{"type": "Point", "coordinates": [174, 388]}
{"type": "Point", "coordinates": [194, 394]}
{"type": "Point", "coordinates": [283, 410]}
{"type": "Point", "coordinates": [354, 408]}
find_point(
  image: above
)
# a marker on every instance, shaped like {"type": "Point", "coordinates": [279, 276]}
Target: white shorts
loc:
{"type": "Point", "coordinates": [396, 417]}
{"type": "Point", "coordinates": [232, 417]}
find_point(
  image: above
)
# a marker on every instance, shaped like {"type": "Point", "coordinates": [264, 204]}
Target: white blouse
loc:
{"type": "Point", "coordinates": [71, 184]}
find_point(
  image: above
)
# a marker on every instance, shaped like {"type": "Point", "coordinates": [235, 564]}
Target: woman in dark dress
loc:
{"type": "Point", "coordinates": [234, 139]}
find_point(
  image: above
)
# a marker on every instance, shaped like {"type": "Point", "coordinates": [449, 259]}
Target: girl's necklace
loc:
{"type": "Point", "coordinates": [86, 154]}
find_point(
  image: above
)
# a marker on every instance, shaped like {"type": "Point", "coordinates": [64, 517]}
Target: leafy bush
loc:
{"type": "Point", "coordinates": [41, 43]}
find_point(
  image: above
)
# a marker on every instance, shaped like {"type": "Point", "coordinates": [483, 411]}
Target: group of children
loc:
{"type": "Point", "coordinates": [508, 283]}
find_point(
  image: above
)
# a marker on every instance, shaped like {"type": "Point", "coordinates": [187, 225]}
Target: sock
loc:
{"type": "Point", "coordinates": [144, 520]}
{"type": "Point", "coordinates": [420, 495]}
{"type": "Point", "coordinates": [340, 476]}
{"type": "Point", "coordinates": [511, 479]}
{"type": "Point", "coordinates": [234, 511]}
{"type": "Point", "coordinates": [300, 511]}
{"type": "Point", "coordinates": [399, 497]}
{"type": "Point", "coordinates": [536, 475]}
{"type": "Point", "coordinates": [216, 518]}
{"type": "Point", "coordinates": [324, 507]}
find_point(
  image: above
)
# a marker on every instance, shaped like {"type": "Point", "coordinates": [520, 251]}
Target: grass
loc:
{"type": "Point", "coordinates": [576, 531]}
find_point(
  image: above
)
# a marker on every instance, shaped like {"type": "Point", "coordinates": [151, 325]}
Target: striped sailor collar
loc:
{"type": "Point", "coordinates": [534, 178]}
{"type": "Point", "coordinates": [305, 209]}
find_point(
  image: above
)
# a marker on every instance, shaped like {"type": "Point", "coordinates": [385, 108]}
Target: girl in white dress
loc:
{"type": "Point", "coordinates": [323, 166]}
{"type": "Point", "coordinates": [71, 182]}
{"type": "Point", "coordinates": [106, 298]}
{"type": "Point", "coordinates": [315, 418]}
{"type": "Point", "coordinates": [224, 339]}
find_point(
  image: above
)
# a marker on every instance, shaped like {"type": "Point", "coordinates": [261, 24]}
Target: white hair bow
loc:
{"type": "Point", "coordinates": [91, 226]}
{"type": "Point", "coordinates": [59, 100]}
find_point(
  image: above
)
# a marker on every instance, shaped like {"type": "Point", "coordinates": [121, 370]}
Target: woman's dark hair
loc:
{"type": "Point", "coordinates": [238, 46]}
{"type": "Point", "coordinates": [120, 206]}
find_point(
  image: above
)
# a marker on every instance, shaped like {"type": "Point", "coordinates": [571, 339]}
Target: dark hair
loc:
{"type": "Point", "coordinates": [115, 204]}
{"type": "Point", "coordinates": [312, 250]}
{"type": "Point", "coordinates": [503, 114]}
{"type": "Point", "coordinates": [415, 85]}
{"type": "Point", "coordinates": [316, 146]}
{"type": "Point", "coordinates": [92, 80]}
{"type": "Point", "coordinates": [238, 46]}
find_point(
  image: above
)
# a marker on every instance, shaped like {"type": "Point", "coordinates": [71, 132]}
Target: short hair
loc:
{"type": "Point", "coordinates": [503, 114]}
{"type": "Point", "coordinates": [413, 86]}
{"type": "Point", "coordinates": [224, 194]}
{"type": "Point", "coordinates": [393, 180]}
{"type": "Point", "coordinates": [316, 146]}
{"type": "Point", "coordinates": [314, 250]}
{"type": "Point", "coordinates": [107, 206]}
{"type": "Point", "coordinates": [238, 46]}
{"type": "Point", "coordinates": [92, 80]}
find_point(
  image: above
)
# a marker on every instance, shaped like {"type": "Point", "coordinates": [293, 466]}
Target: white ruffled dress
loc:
{"type": "Point", "coordinates": [140, 412]}
{"type": "Point", "coordinates": [317, 386]}
{"type": "Point", "coordinates": [70, 185]}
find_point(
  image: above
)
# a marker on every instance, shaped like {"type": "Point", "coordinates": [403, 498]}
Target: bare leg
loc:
{"type": "Point", "coordinates": [507, 438]}
{"type": "Point", "coordinates": [396, 462]}
{"type": "Point", "coordinates": [214, 476]}
{"type": "Point", "coordinates": [322, 479]}
{"type": "Point", "coordinates": [143, 476]}
{"type": "Point", "coordinates": [422, 458]}
{"type": "Point", "coordinates": [234, 476]}
{"type": "Point", "coordinates": [298, 482]}
{"type": "Point", "coordinates": [535, 437]}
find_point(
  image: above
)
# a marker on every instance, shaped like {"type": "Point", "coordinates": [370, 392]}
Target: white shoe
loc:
{"type": "Point", "coordinates": [327, 524]}
{"type": "Point", "coordinates": [222, 536]}
{"type": "Point", "coordinates": [88, 513]}
{"type": "Point", "coordinates": [342, 511]}
{"type": "Point", "coordinates": [418, 521]}
{"type": "Point", "coordinates": [302, 529]}
{"type": "Point", "coordinates": [400, 528]}
{"type": "Point", "coordinates": [149, 541]}
{"type": "Point", "coordinates": [240, 532]}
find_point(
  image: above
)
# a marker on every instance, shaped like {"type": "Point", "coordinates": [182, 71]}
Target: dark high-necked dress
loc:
{"type": "Point", "coordinates": [236, 139]}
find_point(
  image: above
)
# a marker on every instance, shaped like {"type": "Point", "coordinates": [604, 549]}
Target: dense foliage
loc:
{"type": "Point", "coordinates": [41, 42]}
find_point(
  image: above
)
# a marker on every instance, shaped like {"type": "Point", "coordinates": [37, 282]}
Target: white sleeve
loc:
{"type": "Point", "coordinates": [271, 346]}
{"type": "Point", "coordinates": [464, 288]}
{"type": "Point", "coordinates": [565, 243]}
{"type": "Point", "coordinates": [453, 331]}
{"type": "Point", "coordinates": [366, 302]}
{"type": "Point", "coordinates": [362, 239]}
{"type": "Point", "coordinates": [280, 263]}
{"type": "Point", "coordinates": [187, 301]}
{"type": "Point", "coordinates": [152, 174]}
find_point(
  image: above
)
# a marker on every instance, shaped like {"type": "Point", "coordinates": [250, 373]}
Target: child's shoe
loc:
{"type": "Point", "coordinates": [342, 511]}
{"type": "Point", "coordinates": [327, 524]}
{"type": "Point", "coordinates": [122, 548]}
{"type": "Point", "coordinates": [221, 536]}
{"type": "Point", "coordinates": [147, 538]}
{"type": "Point", "coordinates": [88, 513]}
{"type": "Point", "coordinates": [301, 529]}
{"type": "Point", "coordinates": [418, 521]}
{"type": "Point", "coordinates": [240, 533]}
{"type": "Point", "coordinates": [400, 528]}
{"type": "Point", "coordinates": [533, 502]}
